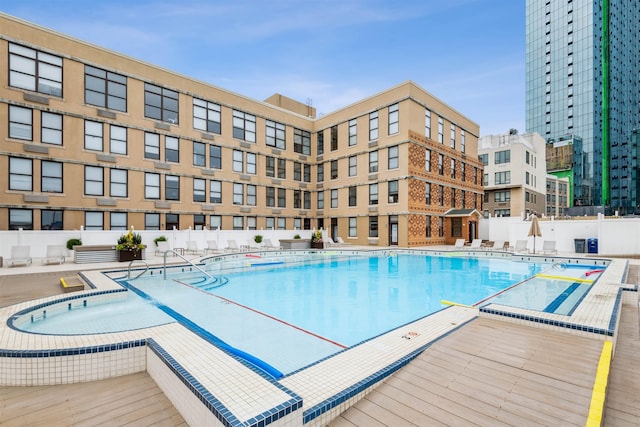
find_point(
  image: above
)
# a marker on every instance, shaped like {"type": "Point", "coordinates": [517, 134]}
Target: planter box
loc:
{"type": "Point", "coordinates": [317, 245]}
{"type": "Point", "coordinates": [129, 255]}
{"type": "Point", "coordinates": [295, 243]}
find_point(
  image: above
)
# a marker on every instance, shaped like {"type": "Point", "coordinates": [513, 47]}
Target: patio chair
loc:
{"type": "Point", "coordinates": [341, 241]}
{"type": "Point", "coordinates": [268, 244]}
{"type": "Point", "coordinates": [329, 242]}
{"type": "Point", "coordinates": [212, 246]}
{"type": "Point", "coordinates": [459, 244]}
{"type": "Point", "coordinates": [192, 247]}
{"type": "Point", "coordinates": [55, 255]}
{"type": "Point", "coordinates": [549, 246]}
{"type": "Point", "coordinates": [20, 255]}
{"type": "Point", "coordinates": [475, 244]}
{"type": "Point", "coordinates": [498, 245]}
{"type": "Point", "coordinates": [232, 245]}
{"type": "Point", "coordinates": [162, 247]}
{"type": "Point", "coordinates": [521, 246]}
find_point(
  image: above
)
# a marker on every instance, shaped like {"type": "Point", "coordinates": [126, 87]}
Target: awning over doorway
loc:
{"type": "Point", "coordinates": [452, 213]}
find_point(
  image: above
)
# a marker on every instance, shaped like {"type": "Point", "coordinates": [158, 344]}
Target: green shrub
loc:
{"type": "Point", "coordinates": [73, 242]}
{"type": "Point", "coordinates": [159, 239]}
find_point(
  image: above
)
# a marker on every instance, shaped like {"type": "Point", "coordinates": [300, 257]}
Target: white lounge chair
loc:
{"type": "Point", "coordinates": [20, 255]}
{"type": "Point", "coordinates": [212, 246]}
{"type": "Point", "coordinates": [232, 245]}
{"type": "Point", "coordinates": [521, 246]}
{"type": "Point", "coordinates": [268, 244]}
{"type": "Point", "coordinates": [476, 244]}
{"type": "Point", "coordinates": [329, 242]}
{"type": "Point", "coordinates": [55, 254]}
{"type": "Point", "coordinates": [162, 246]}
{"type": "Point", "coordinates": [341, 241]}
{"type": "Point", "coordinates": [549, 246]}
{"type": "Point", "coordinates": [459, 244]}
{"type": "Point", "coordinates": [192, 247]}
{"type": "Point", "coordinates": [498, 245]}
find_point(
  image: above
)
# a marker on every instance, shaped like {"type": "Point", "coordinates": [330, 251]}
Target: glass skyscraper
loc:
{"type": "Point", "coordinates": [582, 82]}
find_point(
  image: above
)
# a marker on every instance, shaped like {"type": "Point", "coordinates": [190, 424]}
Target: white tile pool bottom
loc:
{"type": "Point", "coordinates": [246, 394]}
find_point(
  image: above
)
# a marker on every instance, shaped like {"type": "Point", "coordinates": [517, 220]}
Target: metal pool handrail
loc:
{"type": "Point", "coordinates": [186, 260]}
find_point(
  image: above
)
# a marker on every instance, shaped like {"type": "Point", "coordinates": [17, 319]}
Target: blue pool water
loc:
{"type": "Point", "coordinates": [290, 316]}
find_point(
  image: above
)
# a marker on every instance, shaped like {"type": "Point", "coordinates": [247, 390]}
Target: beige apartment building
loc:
{"type": "Point", "coordinates": [99, 140]}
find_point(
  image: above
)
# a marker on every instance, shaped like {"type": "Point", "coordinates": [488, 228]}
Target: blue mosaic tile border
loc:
{"type": "Point", "coordinates": [221, 412]}
{"type": "Point", "coordinates": [87, 280]}
{"type": "Point", "coordinates": [616, 310]}
{"type": "Point", "coordinates": [550, 322]}
{"type": "Point", "coordinates": [333, 401]}
{"type": "Point", "coordinates": [73, 351]}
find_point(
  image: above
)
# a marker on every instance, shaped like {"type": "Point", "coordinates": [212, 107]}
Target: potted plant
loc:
{"type": "Point", "coordinates": [257, 238]}
{"type": "Point", "coordinates": [73, 242]}
{"type": "Point", "coordinates": [159, 239]}
{"type": "Point", "coordinates": [316, 240]}
{"type": "Point", "coordinates": [130, 246]}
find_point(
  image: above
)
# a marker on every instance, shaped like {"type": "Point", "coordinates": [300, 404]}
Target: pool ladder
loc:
{"type": "Point", "coordinates": [186, 260]}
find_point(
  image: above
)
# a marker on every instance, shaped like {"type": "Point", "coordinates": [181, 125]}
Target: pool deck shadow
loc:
{"type": "Point", "coordinates": [525, 364]}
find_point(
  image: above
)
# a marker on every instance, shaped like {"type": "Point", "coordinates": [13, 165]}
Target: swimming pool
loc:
{"type": "Point", "coordinates": [284, 316]}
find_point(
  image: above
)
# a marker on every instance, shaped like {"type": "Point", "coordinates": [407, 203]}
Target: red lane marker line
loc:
{"type": "Point", "coordinates": [264, 314]}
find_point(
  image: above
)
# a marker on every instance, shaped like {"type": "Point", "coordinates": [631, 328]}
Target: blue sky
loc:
{"type": "Point", "coordinates": [468, 53]}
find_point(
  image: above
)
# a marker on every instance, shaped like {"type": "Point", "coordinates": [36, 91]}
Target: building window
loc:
{"type": "Point", "coordinates": [151, 146]}
{"type": "Point", "coordinates": [152, 221]}
{"type": "Point", "coordinates": [502, 157]}
{"type": "Point", "coordinates": [151, 186]}
{"type": "Point", "coordinates": [353, 196]}
{"type": "Point", "coordinates": [453, 136]}
{"type": "Point", "coordinates": [282, 168]}
{"type": "Point", "coordinates": [373, 161]}
{"type": "Point", "coordinates": [463, 199]}
{"type": "Point", "coordinates": [526, 178]}
{"type": "Point", "coordinates": [484, 158]}
{"type": "Point", "coordinates": [238, 161]}
{"type": "Point", "coordinates": [93, 136]}
{"type": "Point", "coordinates": [302, 141]}
{"type": "Point", "coordinates": [118, 220]}
{"type": "Point", "coordinates": [502, 212]}
{"type": "Point", "coordinates": [34, 70]}
{"type": "Point", "coordinates": [463, 172]}
{"type": "Point", "coordinates": [503, 177]}
{"type": "Point", "coordinates": [215, 191]}
{"type": "Point", "coordinates": [282, 198]}
{"type": "Point", "coordinates": [427, 123]}
{"type": "Point", "coordinates": [353, 132]}
{"type": "Point", "coordinates": [215, 157]}
{"type": "Point", "coordinates": [206, 116]}
{"type": "Point", "coordinates": [393, 191]}
{"type": "Point", "coordinates": [93, 221]}
{"type": "Point", "coordinates": [172, 221]}
{"type": "Point", "coordinates": [320, 142]}
{"type": "Point", "coordinates": [271, 197]}
{"type": "Point", "coordinates": [51, 129]}
{"type": "Point", "coordinates": [51, 177]}
{"type": "Point", "coordinates": [172, 187]}
{"type": "Point", "coordinates": [251, 163]}
{"type": "Point", "coordinates": [118, 183]}
{"type": "Point", "coordinates": [199, 190]}
{"type": "Point", "coordinates": [252, 223]}
{"type": "Point", "coordinates": [171, 149]}
{"type": "Point", "coordinates": [320, 199]}
{"type": "Point", "coordinates": [334, 169]}
{"type": "Point", "coordinates": [427, 193]}
{"type": "Point", "coordinates": [320, 173]}
{"type": "Point", "coordinates": [353, 166]}
{"type": "Point", "coordinates": [373, 194]}
{"type": "Point", "coordinates": [334, 138]}
{"type": "Point", "coordinates": [427, 160]}
{"type": "Point", "coordinates": [453, 197]}
{"type": "Point", "coordinates": [453, 168]}
{"type": "Point", "coordinates": [93, 181]}
{"type": "Point", "coordinates": [215, 222]}
{"type": "Point", "coordinates": [306, 173]}
{"type": "Point", "coordinates": [20, 123]}
{"type": "Point", "coordinates": [373, 126]}
{"type": "Point", "coordinates": [393, 157]}
{"type": "Point", "coordinates": [244, 126]}
{"type": "Point", "coordinates": [427, 229]}
{"type": "Point", "coordinates": [441, 195]}
{"type": "Point", "coordinates": [334, 198]}
{"type": "Point", "coordinates": [456, 227]}
{"type": "Point", "coordinates": [353, 227]}
{"type": "Point", "coordinates": [270, 166]}
{"type": "Point", "coordinates": [462, 141]}
{"type": "Point", "coordinates": [199, 154]}
{"type": "Point", "coordinates": [440, 130]}
{"type": "Point", "coordinates": [373, 226]}
{"type": "Point", "coordinates": [440, 164]}
{"type": "Point", "coordinates": [105, 89]}
{"type": "Point", "coordinates": [199, 222]}
{"type": "Point", "coordinates": [51, 219]}
{"type": "Point", "coordinates": [486, 179]}
{"type": "Point", "coordinates": [20, 174]}
{"type": "Point", "coordinates": [251, 195]}
{"type": "Point", "coordinates": [160, 103]}
{"type": "Point", "coordinates": [394, 119]}
{"type": "Point", "coordinates": [297, 171]}
{"type": "Point", "coordinates": [275, 134]}
{"type": "Point", "coordinates": [238, 194]}
{"type": "Point", "coordinates": [20, 218]}
{"type": "Point", "coordinates": [282, 223]}
{"type": "Point", "coordinates": [440, 226]}
{"type": "Point", "coordinates": [297, 199]}
{"type": "Point", "coordinates": [117, 139]}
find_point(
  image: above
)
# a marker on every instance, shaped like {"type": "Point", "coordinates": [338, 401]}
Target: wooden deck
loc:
{"type": "Point", "coordinates": [487, 373]}
{"type": "Point", "coordinates": [132, 400]}
{"type": "Point", "coordinates": [623, 392]}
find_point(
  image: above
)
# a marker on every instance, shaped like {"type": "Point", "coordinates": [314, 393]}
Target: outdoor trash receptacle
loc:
{"type": "Point", "coordinates": [592, 246]}
{"type": "Point", "coordinates": [579, 245]}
